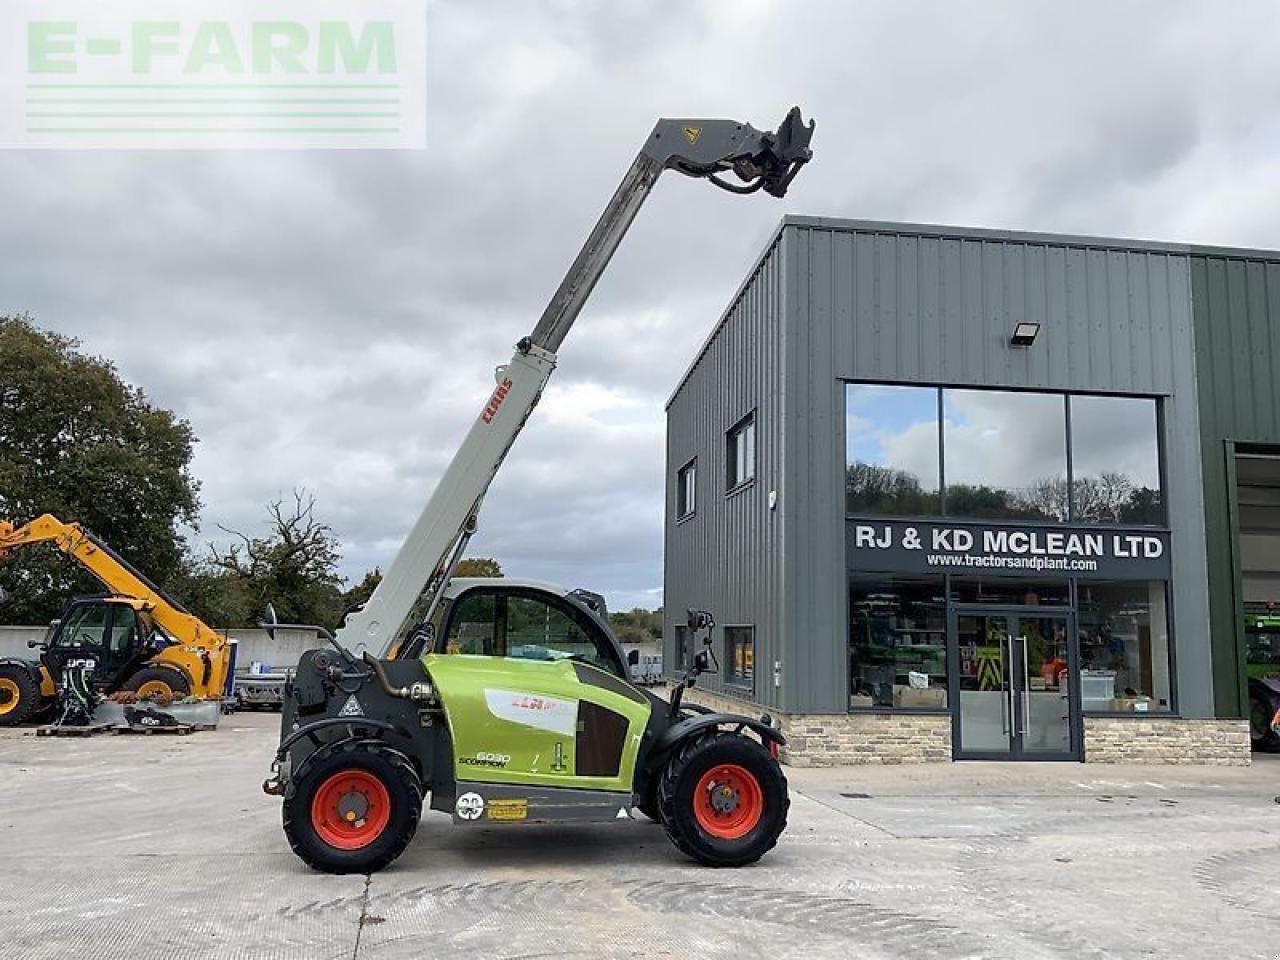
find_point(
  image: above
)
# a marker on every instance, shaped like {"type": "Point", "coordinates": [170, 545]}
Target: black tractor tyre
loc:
{"type": "Point", "coordinates": [648, 804]}
{"type": "Point", "coordinates": [362, 759]}
{"type": "Point", "coordinates": [155, 680]}
{"type": "Point", "coordinates": [19, 695]}
{"type": "Point", "coordinates": [1261, 736]}
{"type": "Point", "coordinates": [679, 800]}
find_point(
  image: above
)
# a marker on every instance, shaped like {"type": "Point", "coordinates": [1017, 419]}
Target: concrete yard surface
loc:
{"type": "Point", "coordinates": [165, 847]}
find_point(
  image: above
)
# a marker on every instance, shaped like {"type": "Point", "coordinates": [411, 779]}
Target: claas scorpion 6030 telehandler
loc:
{"type": "Point", "coordinates": [135, 639]}
{"type": "Point", "coordinates": [508, 701]}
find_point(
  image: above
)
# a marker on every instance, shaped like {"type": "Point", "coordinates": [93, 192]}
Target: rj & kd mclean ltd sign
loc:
{"type": "Point", "coordinates": [991, 549]}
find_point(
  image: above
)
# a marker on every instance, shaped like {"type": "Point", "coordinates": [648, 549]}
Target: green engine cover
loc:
{"type": "Point", "coordinates": [557, 723]}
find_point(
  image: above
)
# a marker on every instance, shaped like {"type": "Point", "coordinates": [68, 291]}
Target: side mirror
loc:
{"type": "Point", "coordinates": [699, 620]}
{"type": "Point", "coordinates": [269, 621]}
{"type": "Point", "coordinates": [701, 662]}
{"type": "Point", "coordinates": [32, 644]}
{"type": "Point", "coordinates": [633, 658]}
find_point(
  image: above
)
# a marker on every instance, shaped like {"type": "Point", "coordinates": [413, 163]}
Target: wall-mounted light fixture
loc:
{"type": "Point", "coordinates": [1024, 334]}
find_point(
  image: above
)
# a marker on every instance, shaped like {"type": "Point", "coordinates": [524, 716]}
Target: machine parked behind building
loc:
{"type": "Point", "coordinates": [135, 639]}
{"type": "Point", "coordinates": [509, 701]}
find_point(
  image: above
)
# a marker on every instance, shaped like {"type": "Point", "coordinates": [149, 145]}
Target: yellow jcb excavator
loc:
{"type": "Point", "coordinates": [133, 639]}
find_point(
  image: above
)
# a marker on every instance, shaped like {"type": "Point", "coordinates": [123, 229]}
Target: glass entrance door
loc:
{"type": "Point", "coordinates": [1015, 697]}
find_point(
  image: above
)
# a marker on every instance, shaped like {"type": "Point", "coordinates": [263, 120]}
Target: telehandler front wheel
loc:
{"type": "Point", "coordinates": [353, 808]}
{"type": "Point", "coordinates": [161, 682]}
{"type": "Point", "coordinates": [19, 695]}
{"type": "Point", "coordinates": [723, 800]}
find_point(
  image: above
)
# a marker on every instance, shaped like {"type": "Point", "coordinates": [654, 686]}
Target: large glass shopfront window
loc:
{"type": "Point", "coordinates": [1006, 455]}
{"type": "Point", "coordinates": [1027, 456]}
{"type": "Point", "coordinates": [1124, 646]}
{"type": "Point", "coordinates": [919, 642]}
{"type": "Point", "coordinates": [897, 642]}
{"type": "Point", "coordinates": [1115, 461]}
{"type": "Point", "coordinates": [891, 456]}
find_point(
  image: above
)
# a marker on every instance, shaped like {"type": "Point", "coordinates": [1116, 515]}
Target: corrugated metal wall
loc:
{"type": "Point", "coordinates": [1237, 325]}
{"type": "Point", "coordinates": [937, 305]}
{"type": "Point", "coordinates": [727, 557]}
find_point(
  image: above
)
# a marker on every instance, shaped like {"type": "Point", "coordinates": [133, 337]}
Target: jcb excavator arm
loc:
{"type": "Point", "coordinates": [194, 636]}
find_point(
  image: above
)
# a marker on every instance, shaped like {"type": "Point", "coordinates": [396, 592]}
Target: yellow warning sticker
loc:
{"type": "Point", "coordinates": [692, 134]}
{"type": "Point", "coordinates": [509, 809]}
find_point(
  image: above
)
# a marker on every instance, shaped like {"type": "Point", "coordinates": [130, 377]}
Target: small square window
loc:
{"type": "Point", "coordinates": [741, 452]}
{"type": "Point", "coordinates": [684, 655]}
{"type": "Point", "coordinates": [740, 656]}
{"type": "Point", "coordinates": [687, 490]}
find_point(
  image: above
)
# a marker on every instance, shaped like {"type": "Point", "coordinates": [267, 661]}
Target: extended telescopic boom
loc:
{"type": "Point", "coordinates": [411, 587]}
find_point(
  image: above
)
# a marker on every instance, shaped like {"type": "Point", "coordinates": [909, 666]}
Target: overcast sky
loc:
{"type": "Point", "coordinates": [331, 320]}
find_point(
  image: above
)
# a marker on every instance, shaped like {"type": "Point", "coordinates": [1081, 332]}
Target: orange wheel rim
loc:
{"type": "Point", "coordinates": [351, 809]}
{"type": "Point", "coordinates": [10, 694]}
{"type": "Point", "coordinates": [728, 802]}
{"type": "Point", "coordinates": [155, 688]}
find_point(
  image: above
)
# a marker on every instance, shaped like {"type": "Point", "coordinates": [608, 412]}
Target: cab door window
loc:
{"type": "Point", "coordinates": [538, 631]}
{"type": "Point", "coordinates": [473, 626]}
{"type": "Point", "coordinates": [524, 627]}
{"type": "Point", "coordinates": [84, 628]}
{"type": "Point", "coordinates": [124, 631]}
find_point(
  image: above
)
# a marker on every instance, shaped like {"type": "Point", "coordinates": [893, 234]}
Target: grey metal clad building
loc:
{"type": "Point", "coordinates": [948, 493]}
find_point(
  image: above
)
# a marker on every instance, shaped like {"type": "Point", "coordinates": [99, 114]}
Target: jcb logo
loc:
{"type": "Point", "coordinates": [499, 395]}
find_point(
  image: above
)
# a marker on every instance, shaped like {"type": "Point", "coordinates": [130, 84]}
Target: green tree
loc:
{"type": "Point", "coordinates": [636, 625]}
{"type": "Point", "coordinates": [294, 568]}
{"type": "Point", "coordinates": [478, 567]}
{"type": "Point", "coordinates": [363, 590]}
{"type": "Point", "coordinates": [80, 443]}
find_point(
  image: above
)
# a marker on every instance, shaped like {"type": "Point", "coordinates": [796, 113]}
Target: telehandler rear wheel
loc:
{"type": "Point", "coordinates": [723, 800]}
{"type": "Point", "coordinates": [19, 695]}
{"type": "Point", "coordinates": [352, 808]}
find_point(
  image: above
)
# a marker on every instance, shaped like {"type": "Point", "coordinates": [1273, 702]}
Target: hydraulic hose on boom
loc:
{"type": "Point", "coordinates": [390, 621]}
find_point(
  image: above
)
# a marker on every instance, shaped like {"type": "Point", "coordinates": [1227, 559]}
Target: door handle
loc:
{"type": "Point", "coordinates": [1008, 685]}
{"type": "Point", "coordinates": [1026, 687]}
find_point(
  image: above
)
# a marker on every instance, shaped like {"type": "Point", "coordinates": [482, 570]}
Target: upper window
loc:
{"type": "Point", "coordinates": [891, 447]}
{"type": "Point", "coordinates": [1002, 454]}
{"type": "Point", "coordinates": [741, 452]}
{"type": "Point", "coordinates": [1006, 454]}
{"type": "Point", "coordinates": [1115, 460]}
{"type": "Point", "coordinates": [687, 490]}
{"type": "Point", "coordinates": [740, 656]}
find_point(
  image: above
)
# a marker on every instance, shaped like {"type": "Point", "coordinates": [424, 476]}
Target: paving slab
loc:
{"type": "Point", "coordinates": [145, 847]}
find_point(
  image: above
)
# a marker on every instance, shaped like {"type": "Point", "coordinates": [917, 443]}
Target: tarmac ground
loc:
{"type": "Point", "coordinates": [158, 846]}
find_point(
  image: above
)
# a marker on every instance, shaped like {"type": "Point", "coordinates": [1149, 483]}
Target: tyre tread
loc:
{"type": "Point", "coordinates": [676, 827]}
{"type": "Point", "coordinates": [295, 815]}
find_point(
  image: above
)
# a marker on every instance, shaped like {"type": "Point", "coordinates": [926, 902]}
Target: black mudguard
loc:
{"type": "Point", "coordinates": [31, 666]}
{"type": "Point", "coordinates": [691, 726]}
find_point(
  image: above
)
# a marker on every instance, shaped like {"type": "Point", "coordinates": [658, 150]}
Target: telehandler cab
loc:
{"type": "Point", "coordinates": [508, 701]}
